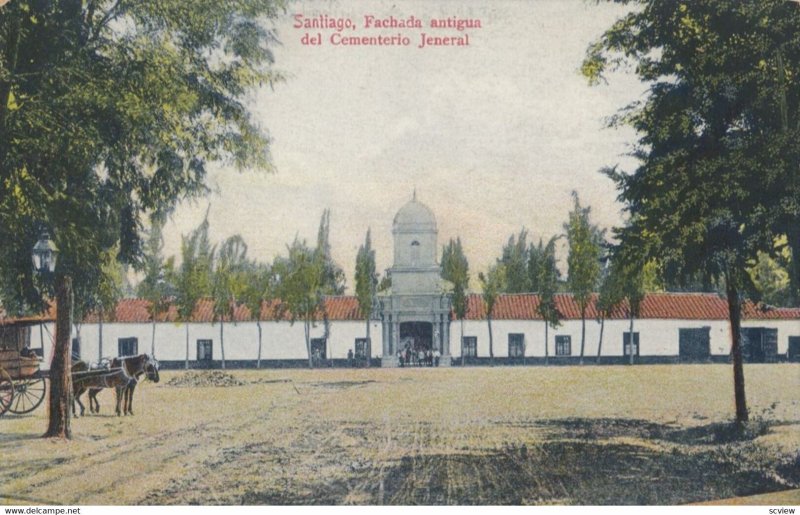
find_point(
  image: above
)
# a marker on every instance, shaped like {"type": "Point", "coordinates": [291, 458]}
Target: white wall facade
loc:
{"type": "Point", "coordinates": [285, 341]}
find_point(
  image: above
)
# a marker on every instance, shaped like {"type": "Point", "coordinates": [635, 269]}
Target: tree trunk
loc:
{"type": "Point", "coordinates": [222, 341]}
{"type": "Point", "coordinates": [735, 314]}
{"type": "Point", "coordinates": [368, 350]}
{"type": "Point", "coordinates": [258, 362]}
{"type": "Point", "coordinates": [546, 337]}
{"type": "Point", "coordinates": [100, 336]}
{"type": "Point", "coordinates": [462, 342]}
{"type": "Point", "coordinates": [630, 338]}
{"type": "Point", "coordinates": [583, 333]}
{"type": "Point", "coordinates": [600, 341]}
{"type": "Point", "coordinates": [491, 341]}
{"type": "Point", "coordinates": [59, 425]}
{"type": "Point", "coordinates": [187, 346]}
{"type": "Point", "coordinates": [307, 330]}
{"type": "Point", "coordinates": [153, 339]}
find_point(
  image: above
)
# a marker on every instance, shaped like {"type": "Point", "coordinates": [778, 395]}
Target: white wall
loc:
{"type": "Point", "coordinates": [656, 337]}
{"type": "Point", "coordinates": [281, 340]}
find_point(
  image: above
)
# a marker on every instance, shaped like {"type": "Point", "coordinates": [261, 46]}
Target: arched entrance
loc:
{"type": "Point", "coordinates": [416, 336]}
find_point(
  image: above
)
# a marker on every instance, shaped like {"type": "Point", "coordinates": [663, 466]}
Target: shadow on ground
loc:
{"type": "Point", "coordinates": [579, 461]}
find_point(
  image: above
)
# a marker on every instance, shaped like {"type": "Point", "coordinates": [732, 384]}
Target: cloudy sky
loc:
{"type": "Point", "coordinates": [494, 136]}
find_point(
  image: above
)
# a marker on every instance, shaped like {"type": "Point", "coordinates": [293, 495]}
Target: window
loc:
{"type": "Point", "coordinates": [76, 348]}
{"type": "Point", "coordinates": [205, 350]}
{"type": "Point", "coordinates": [318, 348]}
{"type": "Point", "coordinates": [563, 345]}
{"type": "Point", "coordinates": [516, 345]}
{"type": "Point", "coordinates": [128, 346]}
{"type": "Point", "coordinates": [470, 346]}
{"type": "Point", "coordinates": [626, 344]}
{"type": "Point", "coordinates": [362, 348]}
{"type": "Point", "coordinates": [415, 252]}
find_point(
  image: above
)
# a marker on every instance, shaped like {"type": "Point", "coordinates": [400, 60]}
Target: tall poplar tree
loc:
{"type": "Point", "coordinates": [492, 285]}
{"type": "Point", "coordinates": [366, 278]}
{"type": "Point", "coordinates": [583, 260]}
{"type": "Point", "coordinates": [547, 279]}
{"type": "Point", "coordinates": [455, 268]}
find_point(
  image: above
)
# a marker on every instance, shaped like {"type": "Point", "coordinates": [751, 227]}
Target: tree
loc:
{"type": "Point", "coordinates": [333, 278]}
{"type": "Point", "coordinates": [515, 262]}
{"type": "Point", "coordinates": [583, 260]}
{"type": "Point", "coordinates": [300, 288]}
{"type": "Point", "coordinates": [195, 275]}
{"type": "Point", "coordinates": [110, 110]}
{"type": "Point", "coordinates": [547, 278]}
{"type": "Point", "coordinates": [492, 285]}
{"type": "Point", "coordinates": [257, 286]}
{"type": "Point", "coordinates": [772, 280]}
{"type": "Point", "coordinates": [718, 161]}
{"type": "Point", "coordinates": [455, 268]}
{"type": "Point", "coordinates": [535, 257]}
{"type": "Point", "coordinates": [229, 283]}
{"type": "Point", "coordinates": [610, 296]}
{"type": "Point", "coordinates": [155, 287]}
{"type": "Point", "coordinates": [366, 282]}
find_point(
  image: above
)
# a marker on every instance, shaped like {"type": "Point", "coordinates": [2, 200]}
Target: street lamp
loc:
{"type": "Point", "coordinates": [44, 255]}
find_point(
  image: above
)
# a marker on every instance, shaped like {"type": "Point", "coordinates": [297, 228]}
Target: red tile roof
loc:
{"type": "Point", "coordinates": [522, 306]}
{"type": "Point", "coordinates": [675, 306]}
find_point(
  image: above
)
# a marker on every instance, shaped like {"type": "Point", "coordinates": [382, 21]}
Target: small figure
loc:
{"type": "Point", "coordinates": [436, 356]}
{"type": "Point", "coordinates": [350, 358]}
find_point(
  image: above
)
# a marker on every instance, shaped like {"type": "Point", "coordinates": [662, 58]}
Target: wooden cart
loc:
{"type": "Point", "coordinates": [22, 384]}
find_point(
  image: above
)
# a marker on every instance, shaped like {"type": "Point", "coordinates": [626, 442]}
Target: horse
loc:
{"type": "Point", "coordinates": [135, 366]}
{"type": "Point", "coordinates": [94, 380]}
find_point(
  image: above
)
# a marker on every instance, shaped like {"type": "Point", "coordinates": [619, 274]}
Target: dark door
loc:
{"type": "Point", "coordinates": [318, 348]}
{"type": "Point", "coordinates": [363, 350]}
{"type": "Point", "coordinates": [794, 348]}
{"type": "Point", "coordinates": [759, 344]}
{"type": "Point", "coordinates": [694, 344]}
{"type": "Point", "coordinates": [418, 335]}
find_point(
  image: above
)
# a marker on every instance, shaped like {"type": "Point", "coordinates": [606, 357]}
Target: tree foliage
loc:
{"type": "Point", "coordinates": [515, 258]}
{"type": "Point", "coordinates": [492, 283]}
{"type": "Point", "coordinates": [195, 277]}
{"type": "Point", "coordinates": [455, 269]}
{"type": "Point", "coordinates": [110, 110]}
{"type": "Point", "coordinates": [585, 247]}
{"type": "Point", "coordinates": [718, 159]}
{"type": "Point", "coordinates": [300, 288]}
{"type": "Point", "coordinates": [547, 278]}
{"type": "Point", "coordinates": [366, 277]}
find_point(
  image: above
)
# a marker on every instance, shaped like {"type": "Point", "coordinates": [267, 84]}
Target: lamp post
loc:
{"type": "Point", "coordinates": [44, 255]}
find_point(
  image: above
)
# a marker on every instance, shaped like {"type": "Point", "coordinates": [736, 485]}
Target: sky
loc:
{"type": "Point", "coordinates": [494, 136]}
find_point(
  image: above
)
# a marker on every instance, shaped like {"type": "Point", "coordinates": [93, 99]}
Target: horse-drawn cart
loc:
{"type": "Point", "coordinates": [22, 384]}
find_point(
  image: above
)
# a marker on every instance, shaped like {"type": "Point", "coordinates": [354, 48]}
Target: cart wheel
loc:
{"type": "Point", "coordinates": [28, 394]}
{"type": "Point", "coordinates": [6, 391]}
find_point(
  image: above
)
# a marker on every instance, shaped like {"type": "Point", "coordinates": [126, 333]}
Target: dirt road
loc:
{"type": "Point", "coordinates": [570, 435]}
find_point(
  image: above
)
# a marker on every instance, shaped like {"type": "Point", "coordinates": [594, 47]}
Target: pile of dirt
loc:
{"type": "Point", "coordinates": [205, 378]}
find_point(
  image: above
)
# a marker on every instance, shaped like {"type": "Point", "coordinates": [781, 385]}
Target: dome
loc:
{"type": "Point", "coordinates": [414, 216]}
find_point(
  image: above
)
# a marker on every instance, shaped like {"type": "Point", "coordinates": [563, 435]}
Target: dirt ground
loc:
{"type": "Point", "coordinates": [532, 435]}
